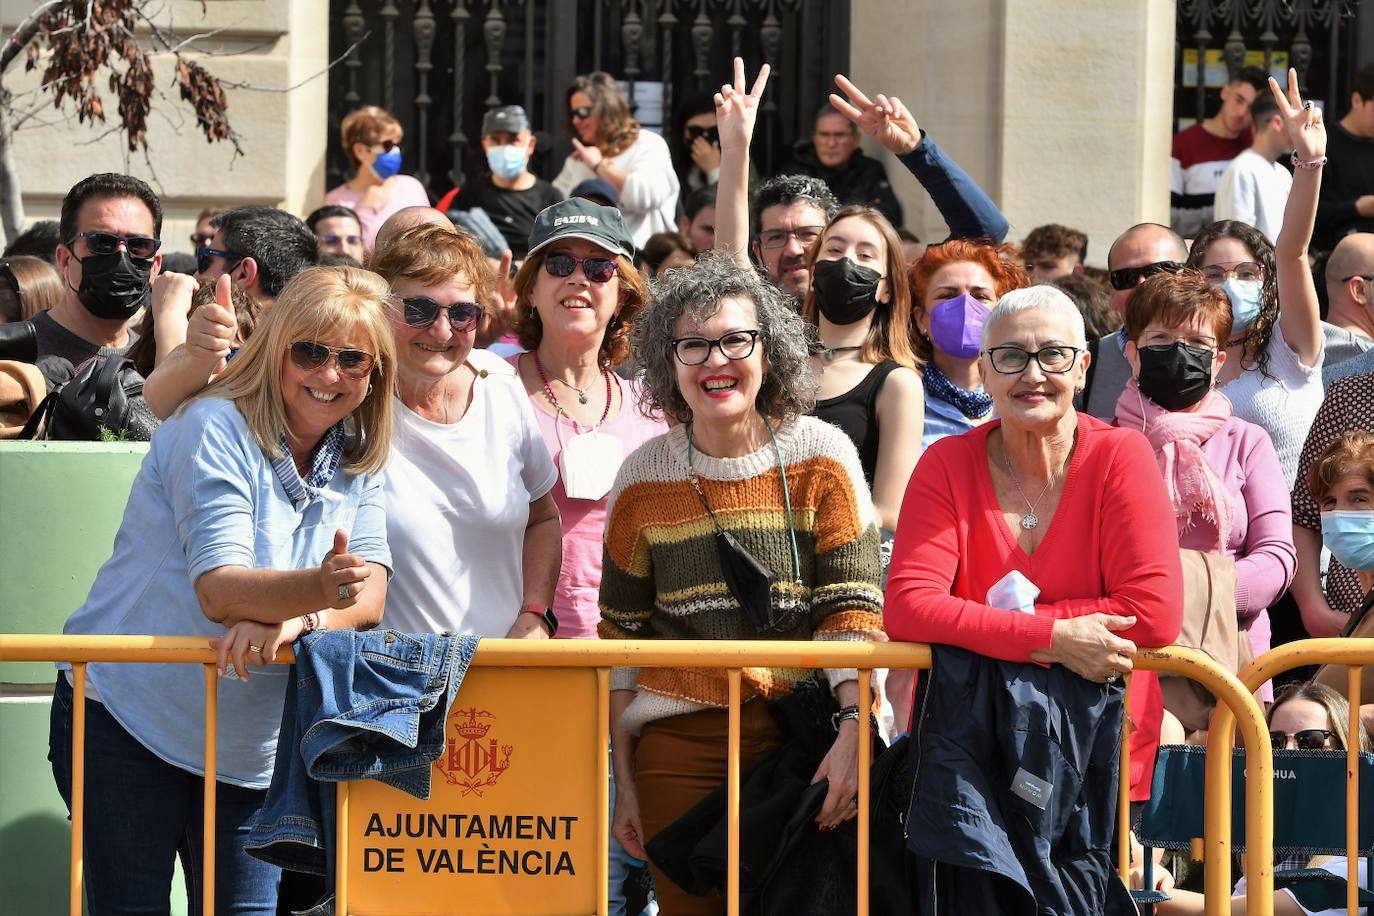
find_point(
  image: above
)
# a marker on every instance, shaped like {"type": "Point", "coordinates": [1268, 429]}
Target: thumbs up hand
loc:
{"type": "Point", "coordinates": [343, 575]}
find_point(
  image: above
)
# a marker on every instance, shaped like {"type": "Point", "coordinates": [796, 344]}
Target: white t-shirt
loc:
{"type": "Point", "coordinates": [457, 501]}
{"type": "Point", "coordinates": [1254, 191]}
{"type": "Point", "coordinates": [1284, 403]}
{"type": "Point", "coordinates": [1336, 865]}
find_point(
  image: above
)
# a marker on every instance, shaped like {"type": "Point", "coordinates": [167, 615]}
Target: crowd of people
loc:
{"type": "Point", "coordinates": [665, 397]}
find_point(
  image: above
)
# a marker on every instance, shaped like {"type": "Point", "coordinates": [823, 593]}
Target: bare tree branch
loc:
{"type": "Point", "coordinates": [232, 84]}
{"type": "Point", "coordinates": [24, 33]}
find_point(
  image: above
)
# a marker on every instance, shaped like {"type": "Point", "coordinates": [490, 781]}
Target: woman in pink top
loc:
{"type": "Point", "coordinates": [1225, 484]}
{"type": "Point", "coordinates": [372, 142]}
{"type": "Point", "coordinates": [576, 297]}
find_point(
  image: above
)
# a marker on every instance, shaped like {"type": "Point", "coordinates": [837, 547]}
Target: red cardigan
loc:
{"type": "Point", "coordinates": [1112, 548]}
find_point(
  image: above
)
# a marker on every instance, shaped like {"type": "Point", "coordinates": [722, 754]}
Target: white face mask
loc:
{"type": "Point", "coordinates": [588, 464]}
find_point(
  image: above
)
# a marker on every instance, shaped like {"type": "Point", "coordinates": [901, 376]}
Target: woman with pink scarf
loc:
{"type": "Point", "coordinates": [1222, 473]}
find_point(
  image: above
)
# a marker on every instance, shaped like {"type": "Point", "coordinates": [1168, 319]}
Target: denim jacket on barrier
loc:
{"type": "Point", "coordinates": [1013, 807]}
{"type": "Point", "coordinates": [359, 705]}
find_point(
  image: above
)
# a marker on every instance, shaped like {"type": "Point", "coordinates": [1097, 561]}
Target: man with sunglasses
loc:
{"type": "Point", "coordinates": [260, 249]}
{"type": "Point", "coordinates": [108, 257]}
{"type": "Point", "coordinates": [1349, 325]}
{"type": "Point", "coordinates": [337, 229]}
{"type": "Point", "coordinates": [1141, 251]}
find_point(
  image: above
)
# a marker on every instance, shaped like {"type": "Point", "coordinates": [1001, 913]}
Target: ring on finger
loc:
{"type": "Point", "coordinates": [345, 591]}
{"type": "Point", "coordinates": [253, 648]}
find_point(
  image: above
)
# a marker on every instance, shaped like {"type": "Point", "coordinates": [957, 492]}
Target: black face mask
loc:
{"type": "Point", "coordinates": [114, 285]}
{"type": "Point", "coordinates": [1175, 377]}
{"type": "Point", "coordinates": [845, 292]}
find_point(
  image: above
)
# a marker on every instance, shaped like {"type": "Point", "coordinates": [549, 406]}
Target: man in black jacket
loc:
{"type": "Point", "coordinates": [832, 154]}
{"type": "Point", "coordinates": [1347, 194]}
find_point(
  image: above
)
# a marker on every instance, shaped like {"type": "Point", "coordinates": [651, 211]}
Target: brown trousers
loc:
{"type": "Point", "coordinates": [679, 761]}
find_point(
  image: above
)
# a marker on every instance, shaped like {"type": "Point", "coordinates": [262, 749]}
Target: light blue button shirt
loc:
{"type": "Point", "coordinates": [206, 496]}
{"type": "Point", "coordinates": [942, 419]}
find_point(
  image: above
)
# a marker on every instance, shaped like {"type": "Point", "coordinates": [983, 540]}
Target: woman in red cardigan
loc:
{"type": "Point", "coordinates": [1075, 508]}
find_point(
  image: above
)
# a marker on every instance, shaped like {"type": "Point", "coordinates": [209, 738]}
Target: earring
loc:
{"type": "Point", "coordinates": [614, 323]}
{"type": "Point", "coordinates": [369, 390]}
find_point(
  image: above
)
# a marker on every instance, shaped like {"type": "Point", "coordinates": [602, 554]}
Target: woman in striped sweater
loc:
{"type": "Point", "coordinates": [726, 358]}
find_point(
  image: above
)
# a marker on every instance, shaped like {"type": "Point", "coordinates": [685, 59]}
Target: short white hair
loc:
{"type": "Point", "coordinates": [1043, 298]}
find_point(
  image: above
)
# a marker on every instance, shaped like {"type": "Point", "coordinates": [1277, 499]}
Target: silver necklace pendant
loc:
{"type": "Point", "coordinates": [1029, 521]}
{"type": "Point", "coordinates": [581, 396]}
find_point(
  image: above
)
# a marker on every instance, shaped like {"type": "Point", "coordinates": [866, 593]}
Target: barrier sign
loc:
{"type": "Point", "coordinates": [510, 826]}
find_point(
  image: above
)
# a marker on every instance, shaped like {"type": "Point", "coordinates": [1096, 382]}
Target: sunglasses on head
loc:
{"type": "Point", "coordinates": [582, 113]}
{"type": "Point", "coordinates": [562, 264]}
{"type": "Point", "coordinates": [1124, 278]}
{"type": "Point", "coordinates": [694, 131]}
{"type": "Point", "coordinates": [421, 312]}
{"type": "Point", "coordinates": [205, 254]}
{"type": "Point", "coordinates": [309, 355]}
{"type": "Point", "coordinates": [1309, 739]}
{"type": "Point", "coordinates": [138, 246]}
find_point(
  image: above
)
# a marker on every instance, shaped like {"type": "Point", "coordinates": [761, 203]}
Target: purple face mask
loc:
{"type": "Point", "coordinates": [956, 325]}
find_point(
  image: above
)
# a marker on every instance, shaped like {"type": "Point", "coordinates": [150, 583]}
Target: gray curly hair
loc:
{"type": "Point", "coordinates": [788, 389]}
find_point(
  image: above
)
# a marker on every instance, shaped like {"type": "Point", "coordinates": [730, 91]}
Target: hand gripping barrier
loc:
{"type": "Point", "coordinates": [1236, 706]}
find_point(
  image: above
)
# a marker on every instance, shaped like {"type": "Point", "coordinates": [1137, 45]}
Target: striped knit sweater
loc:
{"type": "Point", "coordinates": [661, 576]}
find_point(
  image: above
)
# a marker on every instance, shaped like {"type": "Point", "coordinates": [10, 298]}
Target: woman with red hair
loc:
{"type": "Point", "coordinates": [954, 287]}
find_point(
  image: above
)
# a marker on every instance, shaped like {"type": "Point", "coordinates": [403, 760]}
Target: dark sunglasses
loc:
{"type": "Point", "coordinates": [562, 264]}
{"type": "Point", "coordinates": [138, 246]}
{"type": "Point", "coordinates": [1309, 739]}
{"type": "Point", "coordinates": [309, 355]}
{"type": "Point", "coordinates": [582, 113]}
{"type": "Point", "coordinates": [206, 254]}
{"type": "Point", "coordinates": [421, 312]}
{"type": "Point", "coordinates": [200, 241]}
{"type": "Point", "coordinates": [712, 134]}
{"type": "Point", "coordinates": [1124, 278]}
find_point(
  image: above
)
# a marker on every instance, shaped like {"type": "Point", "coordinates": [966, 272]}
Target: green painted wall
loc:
{"type": "Point", "coordinates": [60, 506]}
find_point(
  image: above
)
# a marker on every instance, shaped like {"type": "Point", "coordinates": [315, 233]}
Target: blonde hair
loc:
{"type": "Point", "coordinates": [317, 302]}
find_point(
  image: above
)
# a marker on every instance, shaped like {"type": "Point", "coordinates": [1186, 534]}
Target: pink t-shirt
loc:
{"type": "Point", "coordinates": [402, 191]}
{"type": "Point", "coordinates": [584, 520]}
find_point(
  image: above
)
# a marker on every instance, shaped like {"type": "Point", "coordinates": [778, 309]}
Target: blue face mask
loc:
{"type": "Point", "coordinates": [1349, 535]}
{"type": "Point", "coordinates": [1246, 297]}
{"type": "Point", "coordinates": [507, 162]}
{"type": "Point", "coordinates": [388, 163]}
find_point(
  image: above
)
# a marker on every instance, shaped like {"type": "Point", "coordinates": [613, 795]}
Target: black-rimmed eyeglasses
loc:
{"type": "Point", "coordinates": [206, 254]}
{"type": "Point", "coordinates": [1054, 360]}
{"type": "Point", "coordinates": [693, 351]}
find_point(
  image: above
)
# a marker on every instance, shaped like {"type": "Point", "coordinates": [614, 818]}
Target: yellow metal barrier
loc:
{"type": "Point", "coordinates": [1354, 654]}
{"type": "Point", "coordinates": [1235, 701]}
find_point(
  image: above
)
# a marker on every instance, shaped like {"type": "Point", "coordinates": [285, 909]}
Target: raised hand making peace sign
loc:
{"type": "Point", "coordinates": [884, 118]}
{"type": "Point", "coordinates": [1302, 120]}
{"type": "Point", "coordinates": [736, 109]}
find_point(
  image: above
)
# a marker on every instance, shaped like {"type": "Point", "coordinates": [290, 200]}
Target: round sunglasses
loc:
{"type": "Point", "coordinates": [562, 264]}
{"type": "Point", "coordinates": [309, 355]}
{"type": "Point", "coordinates": [421, 312]}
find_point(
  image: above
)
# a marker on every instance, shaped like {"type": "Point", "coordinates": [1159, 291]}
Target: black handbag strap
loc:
{"type": "Point", "coordinates": [39, 417]}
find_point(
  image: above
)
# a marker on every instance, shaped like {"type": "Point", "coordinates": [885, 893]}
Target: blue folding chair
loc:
{"type": "Point", "coordinates": [1309, 817]}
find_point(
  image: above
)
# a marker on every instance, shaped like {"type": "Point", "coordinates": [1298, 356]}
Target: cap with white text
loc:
{"type": "Point", "coordinates": [578, 218]}
{"type": "Point", "coordinates": [507, 119]}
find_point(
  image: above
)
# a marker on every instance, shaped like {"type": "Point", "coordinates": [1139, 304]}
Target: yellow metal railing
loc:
{"type": "Point", "coordinates": [1235, 706]}
{"type": "Point", "coordinates": [1354, 654]}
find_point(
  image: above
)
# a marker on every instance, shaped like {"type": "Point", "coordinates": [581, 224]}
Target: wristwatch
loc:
{"type": "Point", "coordinates": [545, 614]}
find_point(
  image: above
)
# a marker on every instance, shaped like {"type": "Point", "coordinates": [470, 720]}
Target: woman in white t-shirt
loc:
{"type": "Point", "coordinates": [471, 518]}
{"type": "Point", "coordinates": [1273, 371]}
{"type": "Point", "coordinates": [609, 144]}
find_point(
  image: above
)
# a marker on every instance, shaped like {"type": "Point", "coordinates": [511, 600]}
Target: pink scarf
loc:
{"type": "Point", "coordinates": [1194, 487]}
